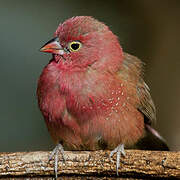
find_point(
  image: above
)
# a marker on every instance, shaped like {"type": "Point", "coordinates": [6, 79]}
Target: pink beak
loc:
{"type": "Point", "coordinates": [53, 46]}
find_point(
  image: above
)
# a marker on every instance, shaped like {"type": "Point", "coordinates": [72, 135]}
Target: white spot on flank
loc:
{"type": "Point", "coordinates": [122, 85]}
{"type": "Point", "coordinates": [117, 104]}
{"type": "Point", "coordinates": [118, 98]}
{"type": "Point", "coordinates": [124, 104]}
{"type": "Point", "coordinates": [122, 93]}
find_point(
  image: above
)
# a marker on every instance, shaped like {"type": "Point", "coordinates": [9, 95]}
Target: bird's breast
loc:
{"type": "Point", "coordinates": [84, 109]}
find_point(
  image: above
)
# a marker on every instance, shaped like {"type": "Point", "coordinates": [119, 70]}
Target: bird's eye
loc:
{"type": "Point", "coordinates": [74, 45]}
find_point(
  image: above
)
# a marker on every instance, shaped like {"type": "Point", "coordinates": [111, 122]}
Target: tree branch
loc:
{"type": "Point", "coordinates": [136, 163]}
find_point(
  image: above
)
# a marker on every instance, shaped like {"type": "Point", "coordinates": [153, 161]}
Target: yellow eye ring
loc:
{"type": "Point", "coordinates": [74, 46]}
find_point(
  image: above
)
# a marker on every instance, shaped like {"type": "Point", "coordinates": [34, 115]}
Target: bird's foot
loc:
{"type": "Point", "coordinates": [118, 150]}
{"type": "Point", "coordinates": [58, 149]}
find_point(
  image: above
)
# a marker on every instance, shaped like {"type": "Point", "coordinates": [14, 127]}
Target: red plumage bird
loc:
{"type": "Point", "coordinates": [92, 94]}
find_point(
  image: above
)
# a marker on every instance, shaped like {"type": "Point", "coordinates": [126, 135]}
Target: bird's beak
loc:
{"type": "Point", "coordinates": [53, 46]}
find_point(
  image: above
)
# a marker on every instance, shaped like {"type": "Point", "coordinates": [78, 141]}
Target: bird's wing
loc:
{"type": "Point", "coordinates": [132, 72]}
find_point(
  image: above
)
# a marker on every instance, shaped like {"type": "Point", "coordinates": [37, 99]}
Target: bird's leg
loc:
{"type": "Point", "coordinates": [118, 150]}
{"type": "Point", "coordinates": [58, 149]}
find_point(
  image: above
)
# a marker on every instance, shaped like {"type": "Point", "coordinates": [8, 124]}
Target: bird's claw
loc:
{"type": "Point", "coordinates": [58, 149]}
{"type": "Point", "coordinates": [118, 150]}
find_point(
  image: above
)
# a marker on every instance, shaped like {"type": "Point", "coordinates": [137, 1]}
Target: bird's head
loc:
{"type": "Point", "coordinates": [81, 42]}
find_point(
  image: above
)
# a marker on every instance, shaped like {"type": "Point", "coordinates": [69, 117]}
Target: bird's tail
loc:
{"type": "Point", "coordinates": [152, 140]}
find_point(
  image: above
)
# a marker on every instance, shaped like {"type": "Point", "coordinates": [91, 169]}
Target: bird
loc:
{"type": "Point", "coordinates": [92, 94]}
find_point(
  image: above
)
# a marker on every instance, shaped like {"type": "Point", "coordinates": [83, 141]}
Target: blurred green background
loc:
{"type": "Point", "coordinates": [147, 29]}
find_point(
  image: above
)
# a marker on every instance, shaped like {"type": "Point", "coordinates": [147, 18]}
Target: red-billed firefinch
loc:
{"type": "Point", "coordinates": [92, 94]}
